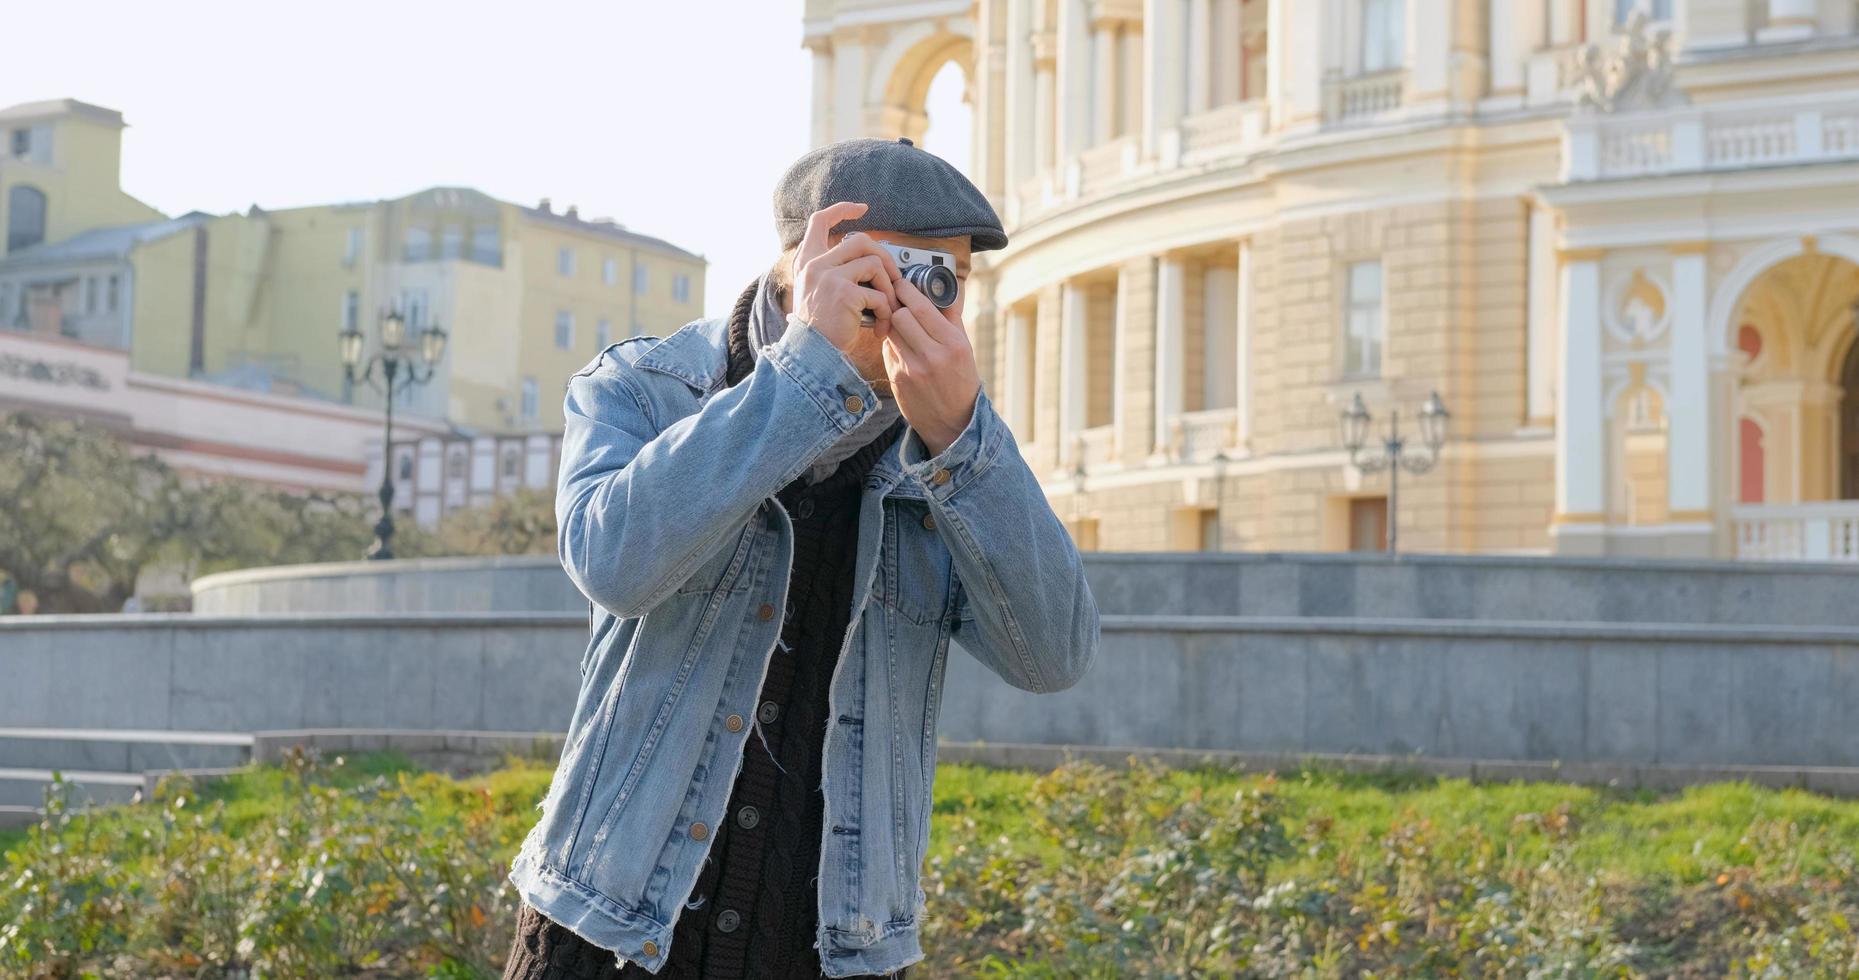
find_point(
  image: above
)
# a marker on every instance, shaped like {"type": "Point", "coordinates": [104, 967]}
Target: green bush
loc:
{"type": "Point", "coordinates": [366, 868]}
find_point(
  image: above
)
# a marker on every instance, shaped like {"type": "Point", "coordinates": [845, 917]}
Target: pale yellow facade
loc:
{"type": "Point", "coordinates": [1230, 217]}
{"type": "Point", "coordinates": [527, 295]}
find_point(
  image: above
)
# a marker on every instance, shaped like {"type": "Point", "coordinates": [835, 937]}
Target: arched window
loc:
{"type": "Point", "coordinates": [25, 217]}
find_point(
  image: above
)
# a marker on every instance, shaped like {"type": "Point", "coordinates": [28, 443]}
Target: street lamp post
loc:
{"type": "Point", "coordinates": [1394, 456]}
{"type": "Point", "coordinates": [401, 369]}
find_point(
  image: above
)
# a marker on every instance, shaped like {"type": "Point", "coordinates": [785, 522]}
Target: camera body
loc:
{"type": "Point", "coordinates": [931, 271]}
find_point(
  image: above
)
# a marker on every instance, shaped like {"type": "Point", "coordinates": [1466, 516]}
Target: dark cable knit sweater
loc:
{"type": "Point", "coordinates": [754, 910]}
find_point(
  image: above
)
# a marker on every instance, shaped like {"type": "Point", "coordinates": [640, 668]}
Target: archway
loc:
{"type": "Point", "coordinates": [910, 66]}
{"type": "Point", "coordinates": [1798, 381]}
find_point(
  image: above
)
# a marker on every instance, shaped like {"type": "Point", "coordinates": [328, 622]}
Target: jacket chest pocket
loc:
{"type": "Point", "coordinates": [721, 570]}
{"type": "Point", "coordinates": [916, 568]}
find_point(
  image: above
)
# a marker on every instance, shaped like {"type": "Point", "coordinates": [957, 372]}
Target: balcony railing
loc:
{"type": "Point", "coordinates": [1725, 136]}
{"type": "Point", "coordinates": [1198, 436]}
{"type": "Point", "coordinates": [1098, 447]}
{"type": "Point", "coordinates": [1798, 532]}
{"type": "Point", "coordinates": [1362, 96]}
{"type": "Point", "coordinates": [1230, 130]}
{"type": "Point", "coordinates": [1106, 163]}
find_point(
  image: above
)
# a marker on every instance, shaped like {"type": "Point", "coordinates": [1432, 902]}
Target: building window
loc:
{"type": "Point", "coordinates": [406, 467]}
{"type": "Point", "coordinates": [603, 333]}
{"type": "Point", "coordinates": [112, 294]}
{"type": "Point", "coordinates": [91, 304]}
{"type": "Point", "coordinates": [455, 465]}
{"type": "Point", "coordinates": [1362, 326]}
{"type": "Point", "coordinates": [22, 142]}
{"type": "Point", "coordinates": [25, 215]}
{"type": "Point", "coordinates": [509, 463]}
{"type": "Point", "coordinates": [531, 400]}
{"type": "Point", "coordinates": [564, 329]}
{"type": "Point", "coordinates": [564, 261]}
{"type": "Point", "coordinates": [451, 242]}
{"type": "Point", "coordinates": [351, 250]}
{"type": "Point", "coordinates": [610, 271]}
{"type": "Point", "coordinates": [1368, 524]}
{"type": "Point", "coordinates": [486, 245]}
{"type": "Point", "coordinates": [351, 310]}
{"type": "Point", "coordinates": [418, 245]}
{"type": "Point", "coordinates": [1656, 10]}
{"type": "Point", "coordinates": [639, 277]}
{"type": "Point", "coordinates": [681, 288]}
{"type": "Point", "coordinates": [1384, 40]}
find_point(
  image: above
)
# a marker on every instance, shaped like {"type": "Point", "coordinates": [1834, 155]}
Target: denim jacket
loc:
{"type": "Point", "coordinates": [668, 523]}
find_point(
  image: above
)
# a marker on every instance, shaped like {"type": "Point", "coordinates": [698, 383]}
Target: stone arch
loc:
{"type": "Point", "coordinates": [901, 73]}
{"type": "Point", "coordinates": [1798, 295]}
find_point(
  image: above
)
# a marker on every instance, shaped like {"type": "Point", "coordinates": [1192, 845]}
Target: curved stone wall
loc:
{"type": "Point", "coordinates": [1625, 699]}
{"type": "Point", "coordinates": [1183, 584]}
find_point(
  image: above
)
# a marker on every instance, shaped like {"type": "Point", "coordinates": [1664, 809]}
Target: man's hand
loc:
{"type": "Point", "coordinates": [834, 285]}
{"type": "Point", "coordinates": [931, 366]}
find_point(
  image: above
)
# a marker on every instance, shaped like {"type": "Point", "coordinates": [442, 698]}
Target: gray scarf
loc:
{"type": "Point", "coordinates": [767, 322]}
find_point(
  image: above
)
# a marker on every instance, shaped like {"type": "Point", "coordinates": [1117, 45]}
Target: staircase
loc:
{"type": "Point", "coordinates": [102, 765]}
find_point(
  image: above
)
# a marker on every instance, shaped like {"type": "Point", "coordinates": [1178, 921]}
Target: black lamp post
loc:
{"type": "Point", "coordinates": [1394, 457]}
{"type": "Point", "coordinates": [401, 367]}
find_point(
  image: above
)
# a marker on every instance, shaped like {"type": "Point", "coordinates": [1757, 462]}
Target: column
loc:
{"type": "Point", "coordinates": [1019, 372]}
{"type": "Point", "coordinates": [1020, 98]}
{"type": "Point", "coordinates": [1504, 41]}
{"type": "Point", "coordinates": [1200, 49]}
{"type": "Point", "coordinates": [1229, 50]}
{"type": "Point", "coordinates": [1242, 349]}
{"type": "Point", "coordinates": [1073, 365]}
{"type": "Point", "coordinates": [1130, 70]}
{"type": "Point", "coordinates": [822, 50]}
{"type": "Point", "coordinates": [987, 105]}
{"type": "Point", "coordinates": [1688, 415]}
{"type": "Point", "coordinates": [1540, 315]}
{"type": "Point", "coordinates": [1298, 56]}
{"type": "Point", "coordinates": [1170, 343]}
{"type": "Point", "coordinates": [1104, 81]}
{"type": "Point", "coordinates": [1162, 88]}
{"type": "Point", "coordinates": [1074, 77]}
{"type": "Point", "coordinates": [1581, 434]}
{"type": "Point", "coordinates": [1429, 35]}
{"type": "Point", "coordinates": [1045, 90]}
{"type": "Point", "coordinates": [1120, 345]}
{"type": "Point", "coordinates": [848, 89]}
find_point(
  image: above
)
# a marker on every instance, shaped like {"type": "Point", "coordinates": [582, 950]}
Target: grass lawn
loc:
{"type": "Point", "coordinates": [1082, 872]}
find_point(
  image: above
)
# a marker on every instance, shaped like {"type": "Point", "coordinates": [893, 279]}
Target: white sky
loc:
{"type": "Point", "coordinates": [674, 117]}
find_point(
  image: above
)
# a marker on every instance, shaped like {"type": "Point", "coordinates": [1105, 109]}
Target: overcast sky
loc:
{"type": "Point", "coordinates": [674, 118]}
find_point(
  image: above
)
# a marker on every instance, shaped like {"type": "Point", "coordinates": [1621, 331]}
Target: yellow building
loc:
{"type": "Point", "coordinates": [255, 300]}
{"type": "Point", "coordinates": [1619, 237]}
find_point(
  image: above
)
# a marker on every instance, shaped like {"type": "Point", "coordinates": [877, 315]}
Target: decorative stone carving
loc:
{"type": "Point", "coordinates": [1631, 71]}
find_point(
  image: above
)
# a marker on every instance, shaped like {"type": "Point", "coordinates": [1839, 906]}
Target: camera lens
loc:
{"type": "Point", "coordinates": [936, 281]}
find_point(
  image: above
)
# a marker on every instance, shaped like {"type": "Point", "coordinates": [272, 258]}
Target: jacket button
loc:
{"type": "Point", "coordinates": [767, 612]}
{"type": "Point", "coordinates": [748, 817]}
{"type": "Point", "coordinates": [768, 712]}
{"type": "Point", "coordinates": [650, 948]}
{"type": "Point", "coordinates": [733, 723]}
{"type": "Point", "coordinates": [941, 477]}
{"type": "Point", "coordinates": [855, 404]}
{"type": "Point", "coordinates": [727, 920]}
{"type": "Point", "coordinates": [699, 830]}
{"type": "Point", "coordinates": [929, 522]}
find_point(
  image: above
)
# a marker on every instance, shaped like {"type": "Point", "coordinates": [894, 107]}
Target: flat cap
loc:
{"type": "Point", "coordinates": [909, 189]}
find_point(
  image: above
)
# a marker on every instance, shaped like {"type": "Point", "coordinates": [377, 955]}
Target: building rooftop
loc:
{"type": "Point", "coordinates": [606, 228]}
{"type": "Point", "coordinates": [30, 111]}
{"type": "Point", "coordinates": [101, 243]}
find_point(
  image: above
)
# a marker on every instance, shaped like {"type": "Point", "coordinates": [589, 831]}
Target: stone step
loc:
{"type": "Point", "coordinates": [26, 787]}
{"type": "Point", "coordinates": [121, 750]}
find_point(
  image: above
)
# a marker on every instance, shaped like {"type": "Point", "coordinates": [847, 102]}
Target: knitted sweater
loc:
{"type": "Point", "coordinates": [754, 909]}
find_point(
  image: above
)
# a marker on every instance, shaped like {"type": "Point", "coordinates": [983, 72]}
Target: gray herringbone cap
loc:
{"type": "Point", "coordinates": [909, 189]}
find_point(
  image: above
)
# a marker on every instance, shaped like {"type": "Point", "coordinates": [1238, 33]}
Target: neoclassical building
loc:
{"type": "Point", "coordinates": [1619, 237]}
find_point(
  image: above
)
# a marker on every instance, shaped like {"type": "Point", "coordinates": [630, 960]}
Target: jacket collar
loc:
{"type": "Point", "coordinates": [698, 355]}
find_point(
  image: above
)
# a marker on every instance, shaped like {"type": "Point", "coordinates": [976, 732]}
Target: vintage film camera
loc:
{"type": "Point", "coordinates": [930, 271]}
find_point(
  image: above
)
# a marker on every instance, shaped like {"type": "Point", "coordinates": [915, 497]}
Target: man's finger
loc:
{"type": "Point", "coordinates": [875, 302]}
{"type": "Point", "coordinates": [936, 324]}
{"type": "Point", "coordinates": [867, 271]}
{"type": "Point", "coordinates": [821, 223]}
{"type": "Point", "coordinates": [855, 245]}
{"type": "Point", "coordinates": [907, 333]}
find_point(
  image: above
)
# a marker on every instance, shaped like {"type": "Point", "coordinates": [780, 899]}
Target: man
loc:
{"type": "Point", "coordinates": [781, 520]}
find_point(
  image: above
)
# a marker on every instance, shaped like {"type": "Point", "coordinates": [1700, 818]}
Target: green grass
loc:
{"type": "Point", "coordinates": [1034, 874]}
